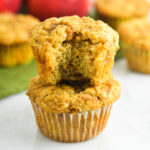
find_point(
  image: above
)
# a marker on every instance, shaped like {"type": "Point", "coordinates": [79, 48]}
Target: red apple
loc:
{"type": "Point", "coordinates": [44, 9]}
{"type": "Point", "coordinates": [10, 5]}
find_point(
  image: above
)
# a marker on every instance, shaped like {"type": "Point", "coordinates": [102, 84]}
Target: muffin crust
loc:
{"type": "Point", "coordinates": [64, 98]}
{"type": "Point", "coordinates": [123, 8]}
{"type": "Point", "coordinates": [73, 48]}
{"type": "Point", "coordinates": [136, 33]}
{"type": "Point", "coordinates": [15, 28]}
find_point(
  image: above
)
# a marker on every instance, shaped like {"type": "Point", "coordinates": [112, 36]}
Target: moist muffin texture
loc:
{"type": "Point", "coordinates": [123, 8]}
{"type": "Point", "coordinates": [79, 97]}
{"type": "Point", "coordinates": [14, 35]}
{"type": "Point", "coordinates": [73, 48]}
{"type": "Point", "coordinates": [137, 33]}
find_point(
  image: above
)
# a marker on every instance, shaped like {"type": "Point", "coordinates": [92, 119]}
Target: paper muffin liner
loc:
{"type": "Point", "coordinates": [138, 59]}
{"type": "Point", "coordinates": [69, 127]}
{"type": "Point", "coordinates": [113, 22]}
{"type": "Point", "coordinates": [16, 54]}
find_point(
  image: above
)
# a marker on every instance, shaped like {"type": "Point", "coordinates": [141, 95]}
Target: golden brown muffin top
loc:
{"type": "Point", "coordinates": [136, 33]}
{"type": "Point", "coordinates": [14, 28]}
{"type": "Point", "coordinates": [123, 8]}
{"type": "Point", "coordinates": [55, 30]}
{"type": "Point", "coordinates": [68, 98]}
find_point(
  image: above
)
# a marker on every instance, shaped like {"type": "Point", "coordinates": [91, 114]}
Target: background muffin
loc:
{"type": "Point", "coordinates": [115, 12]}
{"type": "Point", "coordinates": [74, 48]}
{"type": "Point", "coordinates": [135, 40]}
{"type": "Point", "coordinates": [14, 34]}
{"type": "Point", "coordinates": [72, 112]}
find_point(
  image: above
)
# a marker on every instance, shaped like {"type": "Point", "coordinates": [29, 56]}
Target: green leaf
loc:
{"type": "Point", "coordinates": [14, 80]}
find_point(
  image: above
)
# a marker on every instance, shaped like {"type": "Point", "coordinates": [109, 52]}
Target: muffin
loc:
{"type": "Point", "coordinates": [14, 35]}
{"type": "Point", "coordinates": [115, 12]}
{"type": "Point", "coordinates": [72, 112]}
{"type": "Point", "coordinates": [135, 41]}
{"type": "Point", "coordinates": [74, 48]}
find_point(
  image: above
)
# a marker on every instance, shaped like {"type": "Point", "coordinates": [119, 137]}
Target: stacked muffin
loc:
{"type": "Point", "coordinates": [73, 94]}
{"type": "Point", "coordinates": [115, 12]}
{"type": "Point", "coordinates": [14, 35]}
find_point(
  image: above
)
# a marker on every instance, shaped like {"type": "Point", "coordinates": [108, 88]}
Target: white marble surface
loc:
{"type": "Point", "coordinates": [128, 127]}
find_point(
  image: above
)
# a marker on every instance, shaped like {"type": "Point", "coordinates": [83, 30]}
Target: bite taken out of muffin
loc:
{"type": "Point", "coordinates": [74, 92]}
{"type": "Point", "coordinates": [14, 36]}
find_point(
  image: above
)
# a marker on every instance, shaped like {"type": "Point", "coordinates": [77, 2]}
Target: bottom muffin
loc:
{"type": "Point", "coordinates": [16, 54]}
{"type": "Point", "coordinates": [72, 113]}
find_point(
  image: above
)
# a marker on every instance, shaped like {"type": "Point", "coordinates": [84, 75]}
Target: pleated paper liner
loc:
{"type": "Point", "coordinates": [15, 54]}
{"type": "Point", "coordinates": [69, 127]}
{"type": "Point", "coordinates": [138, 59]}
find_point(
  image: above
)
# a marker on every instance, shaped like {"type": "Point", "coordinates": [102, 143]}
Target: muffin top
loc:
{"type": "Point", "coordinates": [54, 30]}
{"type": "Point", "coordinates": [123, 8]}
{"type": "Point", "coordinates": [14, 28]}
{"type": "Point", "coordinates": [136, 33]}
{"type": "Point", "coordinates": [72, 98]}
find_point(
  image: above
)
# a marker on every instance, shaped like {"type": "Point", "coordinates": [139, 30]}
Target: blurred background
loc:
{"type": "Point", "coordinates": [129, 125]}
{"type": "Point", "coordinates": [14, 78]}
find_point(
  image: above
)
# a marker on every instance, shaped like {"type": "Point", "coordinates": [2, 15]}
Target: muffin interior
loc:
{"type": "Point", "coordinates": [76, 85]}
{"type": "Point", "coordinates": [77, 59]}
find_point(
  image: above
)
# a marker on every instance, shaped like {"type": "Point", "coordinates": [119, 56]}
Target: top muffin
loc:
{"type": "Point", "coordinates": [74, 48]}
{"type": "Point", "coordinates": [123, 8]}
{"type": "Point", "coordinates": [136, 32]}
{"type": "Point", "coordinates": [15, 28]}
